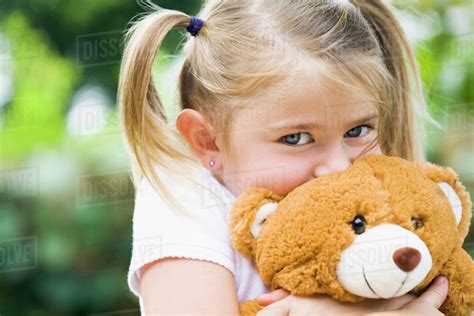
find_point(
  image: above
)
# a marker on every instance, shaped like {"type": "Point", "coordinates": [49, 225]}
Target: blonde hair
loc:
{"type": "Point", "coordinates": [243, 51]}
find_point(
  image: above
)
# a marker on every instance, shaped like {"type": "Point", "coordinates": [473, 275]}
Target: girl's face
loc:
{"type": "Point", "coordinates": [305, 132]}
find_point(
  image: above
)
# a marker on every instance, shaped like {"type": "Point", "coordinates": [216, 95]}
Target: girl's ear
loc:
{"type": "Point", "coordinates": [250, 210]}
{"type": "Point", "coordinates": [454, 191]}
{"type": "Point", "coordinates": [200, 136]}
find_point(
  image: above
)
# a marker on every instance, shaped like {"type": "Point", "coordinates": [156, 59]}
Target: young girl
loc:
{"type": "Point", "coordinates": [272, 94]}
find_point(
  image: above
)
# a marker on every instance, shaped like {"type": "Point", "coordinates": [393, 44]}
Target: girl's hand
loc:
{"type": "Point", "coordinates": [426, 304]}
{"type": "Point", "coordinates": [325, 305]}
{"type": "Point", "coordinates": [272, 297]}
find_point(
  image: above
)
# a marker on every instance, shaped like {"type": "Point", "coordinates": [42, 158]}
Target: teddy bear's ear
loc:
{"type": "Point", "coordinates": [250, 210]}
{"type": "Point", "coordinates": [454, 190]}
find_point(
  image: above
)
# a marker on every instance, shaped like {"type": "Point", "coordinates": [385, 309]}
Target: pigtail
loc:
{"type": "Point", "coordinates": [401, 63]}
{"type": "Point", "coordinates": [150, 141]}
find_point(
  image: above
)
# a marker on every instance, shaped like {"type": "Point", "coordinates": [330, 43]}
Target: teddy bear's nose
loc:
{"type": "Point", "coordinates": [407, 258]}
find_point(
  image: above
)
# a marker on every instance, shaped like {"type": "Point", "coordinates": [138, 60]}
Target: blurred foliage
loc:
{"type": "Point", "coordinates": [66, 200]}
{"type": "Point", "coordinates": [28, 121]}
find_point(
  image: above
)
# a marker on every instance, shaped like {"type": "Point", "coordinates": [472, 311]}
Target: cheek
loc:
{"type": "Point", "coordinates": [281, 181]}
{"type": "Point", "coordinates": [257, 164]}
{"type": "Point", "coordinates": [356, 152]}
{"type": "Point", "coordinates": [376, 150]}
{"type": "Point", "coordinates": [281, 175]}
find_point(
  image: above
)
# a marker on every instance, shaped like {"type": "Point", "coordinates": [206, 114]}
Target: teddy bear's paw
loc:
{"type": "Point", "coordinates": [249, 308]}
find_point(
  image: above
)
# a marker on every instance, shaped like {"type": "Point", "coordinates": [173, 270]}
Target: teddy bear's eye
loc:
{"type": "Point", "coordinates": [358, 224]}
{"type": "Point", "coordinates": [416, 222]}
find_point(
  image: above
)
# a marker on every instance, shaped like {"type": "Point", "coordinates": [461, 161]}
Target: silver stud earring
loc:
{"type": "Point", "coordinates": [211, 163]}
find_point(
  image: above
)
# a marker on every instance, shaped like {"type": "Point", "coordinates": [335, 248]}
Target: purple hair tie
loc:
{"type": "Point", "coordinates": [195, 25]}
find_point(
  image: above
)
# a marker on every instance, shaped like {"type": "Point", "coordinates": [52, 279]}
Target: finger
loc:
{"type": "Point", "coordinates": [398, 302]}
{"type": "Point", "coordinates": [269, 298]}
{"type": "Point", "coordinates": [437, 292]}
{"type": "Point", "coordinates": [276, 309]}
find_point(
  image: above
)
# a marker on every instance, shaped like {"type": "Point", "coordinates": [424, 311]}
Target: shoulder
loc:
{"type": "Point", "coordinates": [203, 199]}
{"type": "Point", "coordinates": [161, 231]}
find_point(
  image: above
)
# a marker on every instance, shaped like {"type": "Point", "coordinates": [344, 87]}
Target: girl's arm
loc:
{"type": "Point", "coordinates": [186, 286]}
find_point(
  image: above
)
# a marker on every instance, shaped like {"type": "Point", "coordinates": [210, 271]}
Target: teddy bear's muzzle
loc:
{"type": "Point", "coordinates": [383, 262]}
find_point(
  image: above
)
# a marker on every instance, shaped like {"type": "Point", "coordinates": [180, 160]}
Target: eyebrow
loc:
{"type": "Point", "coordinates": [291, 125]}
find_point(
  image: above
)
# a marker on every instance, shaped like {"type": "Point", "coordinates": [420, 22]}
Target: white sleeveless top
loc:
{"type": "Point", "coordinates": [159, 230]}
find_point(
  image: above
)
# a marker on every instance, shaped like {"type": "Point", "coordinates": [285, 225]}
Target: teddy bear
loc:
{"type": "Point", "coordinates": [380, 229]}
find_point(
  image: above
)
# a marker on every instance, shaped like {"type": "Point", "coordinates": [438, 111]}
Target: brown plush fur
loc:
{"type": "Point", "coordinates": [300, 244]}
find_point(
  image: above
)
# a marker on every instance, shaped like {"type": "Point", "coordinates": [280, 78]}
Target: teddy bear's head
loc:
{"type": "Point", "coordinates": [380, 229]}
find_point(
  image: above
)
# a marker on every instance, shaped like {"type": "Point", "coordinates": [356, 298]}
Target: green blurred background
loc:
{"type": "Point", "coordinates": [66, 201]}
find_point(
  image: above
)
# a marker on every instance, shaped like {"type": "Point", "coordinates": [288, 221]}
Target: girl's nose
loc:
{"type": "Point", "coordinates": [335, 159]}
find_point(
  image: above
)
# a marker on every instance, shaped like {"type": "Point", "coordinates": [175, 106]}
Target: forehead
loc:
{"type": "Point", "coordinates": [310, 98]}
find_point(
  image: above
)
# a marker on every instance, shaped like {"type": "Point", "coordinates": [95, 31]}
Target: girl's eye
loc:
{"type": "Point", "coordinates": [359, 131]}
{"type": "Point", "coordinates": [296, 139]}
